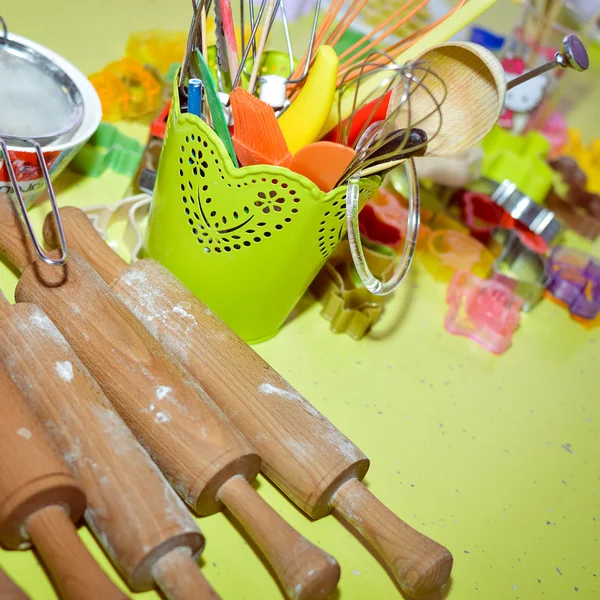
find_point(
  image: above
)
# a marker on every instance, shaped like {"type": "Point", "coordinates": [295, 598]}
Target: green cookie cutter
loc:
{"type": "Point", "coordinates": [521, 159]}
{"type": "Point", "coordinates": [108, 148]}
{"type": "Point", "coordinates": [347, 304]}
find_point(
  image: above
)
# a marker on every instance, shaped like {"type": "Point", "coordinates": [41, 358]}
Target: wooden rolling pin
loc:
{"type": "Point", "coordinates": [141, 523]}
{"type": "Point", "coordinates": [40, 500]}
{"type": "Point", "coordinates": [200, 452]}
{"type": "Point", "coordinates": [312, 462]}
{"type": "Point", "coordinates": [9, 590]}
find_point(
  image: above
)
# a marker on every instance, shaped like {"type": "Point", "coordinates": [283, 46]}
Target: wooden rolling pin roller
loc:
{"type": "Point", "coordinates": [141, 523]}
{"type": "Point", "coordinates": [197, 448]}
{"type": "Point", "coordinates": [312, 462]}
{"type": "Point", "coordinates": [40, 500]}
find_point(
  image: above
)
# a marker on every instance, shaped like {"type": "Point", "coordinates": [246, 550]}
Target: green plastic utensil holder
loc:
{"type": "Point", "coordinates": [248, 241]}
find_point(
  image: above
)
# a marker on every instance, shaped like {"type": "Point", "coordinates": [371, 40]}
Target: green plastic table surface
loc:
{"type": "Point", "coordinates": [498, 458]}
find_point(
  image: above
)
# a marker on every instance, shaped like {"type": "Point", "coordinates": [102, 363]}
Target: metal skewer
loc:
{"type": "Point", "coordinates": [572, 55]}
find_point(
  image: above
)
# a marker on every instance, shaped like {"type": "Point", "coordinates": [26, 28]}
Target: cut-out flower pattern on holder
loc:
{"type": "Point", "coordinates": [230, 209]}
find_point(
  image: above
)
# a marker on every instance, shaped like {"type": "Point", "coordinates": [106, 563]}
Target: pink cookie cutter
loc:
{"type": "Point", "coordinates": [484, 311]}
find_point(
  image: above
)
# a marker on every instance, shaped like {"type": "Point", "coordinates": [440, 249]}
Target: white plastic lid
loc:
{"type": "Point", "coordinates": [272, 90]}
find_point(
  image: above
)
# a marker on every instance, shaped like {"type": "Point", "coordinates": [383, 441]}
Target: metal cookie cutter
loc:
{"type": "Point", "coordinates": [536, 218]}
{"type": "Point", "coordinates": [133, 210]}
{"type": "Point", "coordinates": [518, 267]}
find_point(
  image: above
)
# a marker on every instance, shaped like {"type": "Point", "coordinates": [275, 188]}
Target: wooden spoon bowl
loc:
{"type": "Point", "coordinates": [469, 88]}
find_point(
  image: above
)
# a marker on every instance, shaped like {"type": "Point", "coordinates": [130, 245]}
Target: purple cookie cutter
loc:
{"type": "Point", "coordinates": [575, 281]}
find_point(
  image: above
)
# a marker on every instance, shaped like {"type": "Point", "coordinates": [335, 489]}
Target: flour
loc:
{"type": "Point", "coordinates": [24, 433]}
{"type": "Point", "coordinates": [65, 370]}
{"type": "Point", "coordinates": [162, 416]}
{"type": "Point", "coordinates": [273, 390]}
{"type": "Point", "coordinates": [40, 322]}
{"type": "Point", "coordinates": [268, 388]}
{"type": "Point", "coordinates": [32, 101]}
{"type": "Point", "coordinates": [162, 392]}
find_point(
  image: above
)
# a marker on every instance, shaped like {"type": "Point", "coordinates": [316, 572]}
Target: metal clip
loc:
{"type": "Point", "coordinates": [59, 227]}
{"type": "Point", "coordinates": [5, 30]}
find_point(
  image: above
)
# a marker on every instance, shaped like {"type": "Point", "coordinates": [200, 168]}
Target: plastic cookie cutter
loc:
{"type": "Point", "coordinates": [108, 148]}
{"type": "Point", "coordinates": [523, 209]}
{"type": "Point", "coordinates": [484, 311]}
{"type": "Point", "coordinates": [347, 304]}
{"type": "Point", "coordinates": [132, 211]}
{"type": "Point", "coordinates": [384, 219]}
{"type": "Point", "coordinates": [449, 251]}
{"type": "Point", "coordinates": [575, 281]}
{"type": "Point", "coordinates": [521, 159]}
{"type": "Point", "coordinates": [127, 89]}
{"type": "Point", "coordinates": [518, 267]}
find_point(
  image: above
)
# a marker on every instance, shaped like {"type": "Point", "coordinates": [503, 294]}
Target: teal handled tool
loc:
{"type": "Point", "coordinates": [215, 107]}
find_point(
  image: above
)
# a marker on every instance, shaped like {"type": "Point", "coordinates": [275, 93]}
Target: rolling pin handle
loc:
{"type": "Point", "coordinates": [73, 570]}
{"type": "Point", "coordinates": [179, 578]}
{"type": "Point", "coordinates": [419, 565]}
{"type": "Point", "coordinates": [305, 571]}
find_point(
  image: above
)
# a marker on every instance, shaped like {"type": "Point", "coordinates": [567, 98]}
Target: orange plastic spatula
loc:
{"type": "Point", "coordinates": [257, 137]}
{"type": "Point", "coordinates": [322, 162]}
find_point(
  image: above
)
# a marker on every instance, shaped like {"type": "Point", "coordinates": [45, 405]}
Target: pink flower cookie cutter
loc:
{"type": "Point", "coordinates": [485, 311]}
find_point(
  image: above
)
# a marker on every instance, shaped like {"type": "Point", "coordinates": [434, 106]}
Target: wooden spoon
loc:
{"type": "Point", "coordinates": [471, 97]}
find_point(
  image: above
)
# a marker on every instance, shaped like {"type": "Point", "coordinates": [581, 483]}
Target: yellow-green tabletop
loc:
{"type": "Point", "coordinates": [496, 457]}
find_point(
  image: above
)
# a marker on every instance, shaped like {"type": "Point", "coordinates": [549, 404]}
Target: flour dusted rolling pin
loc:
{"type": "Point", "coordinates": [314, 464]}
{"type": "Point", "coordinates": [139, 520]}
{"type": "Point", "coordinates": [205, 458]}
{"type": "Point", "coordinates": [40, 500]}
{"type": "Point", "coordinates": [9, 590]}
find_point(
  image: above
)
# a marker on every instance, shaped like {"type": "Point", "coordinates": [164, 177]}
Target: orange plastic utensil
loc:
{"type": "Point", "coordinates": [257, 137]}
{"type": "Point", "coordinates": [322, 162]}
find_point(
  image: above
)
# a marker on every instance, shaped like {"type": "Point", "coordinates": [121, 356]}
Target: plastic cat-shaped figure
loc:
{"type": "Point", "coordinates": [523, 99]}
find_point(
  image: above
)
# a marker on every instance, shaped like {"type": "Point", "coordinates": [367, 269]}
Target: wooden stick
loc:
{"type": "Point", "coordinates": [261, 46]}
{"type": "Point", "coordinates": [9, 590]}
{"type": "Point", "coordinates": [190, 439]}
{"type": "Point", "coordinates": [303, 453]}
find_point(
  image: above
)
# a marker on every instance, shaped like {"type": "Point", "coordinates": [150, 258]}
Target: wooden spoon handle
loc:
{"type": "Point", "coordinates": [9, 590]}
{"type": "Point", "coordinates": [14, 243]}
{"type": "Point", "coordinates": [84, 238]}
{"type": "Point", "coordinates": [72, 569]}
{"type": "Point", "coordinates": [179, 578]}
{"type": "Point", "coordinates": [304, 570]}
{"type": "Point", "coordinates": [419, 565]}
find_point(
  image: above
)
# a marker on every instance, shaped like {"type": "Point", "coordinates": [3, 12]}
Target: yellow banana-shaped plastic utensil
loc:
{"type": "Point", "coordinates": [302, 122]}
